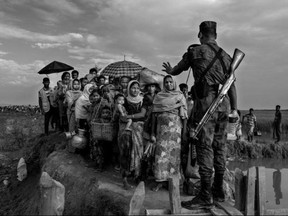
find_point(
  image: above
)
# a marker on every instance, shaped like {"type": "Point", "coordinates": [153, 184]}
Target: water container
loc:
{"type": "Point", "coordinates": [79, 140]}
{"type": "Point", "coordinates": [231, 129]}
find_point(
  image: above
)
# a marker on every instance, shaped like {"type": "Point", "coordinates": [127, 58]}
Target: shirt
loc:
{"type": "Point", "coordinates": [251, 119]}
{"type": "Point", "coordinates": [198, 57]}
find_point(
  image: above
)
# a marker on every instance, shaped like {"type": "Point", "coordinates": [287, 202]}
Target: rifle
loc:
{"type": "Point", "coordinates": [236, 60]}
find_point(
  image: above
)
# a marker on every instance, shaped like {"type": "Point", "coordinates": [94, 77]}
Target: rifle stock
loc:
{"type": "Point", "coordinates": [236, 60]}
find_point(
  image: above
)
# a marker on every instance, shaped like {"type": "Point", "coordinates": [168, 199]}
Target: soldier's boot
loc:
{"type": "Point", "coordinates": [217, 188]}
{"type": "Point", "coordinates": [203, 200]}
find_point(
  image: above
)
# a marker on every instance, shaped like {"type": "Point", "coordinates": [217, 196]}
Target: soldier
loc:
{"type": "Point", "coordinates": [210, 65]}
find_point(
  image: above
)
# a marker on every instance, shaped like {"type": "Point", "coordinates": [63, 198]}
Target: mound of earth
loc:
{"type": "Point", "coordinates": [87, 191]}
{"type": "Point", "coordinates": [257, 150]}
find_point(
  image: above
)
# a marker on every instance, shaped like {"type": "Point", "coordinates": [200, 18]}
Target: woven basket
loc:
{"type": "Point", "coordinates": [103, 131]}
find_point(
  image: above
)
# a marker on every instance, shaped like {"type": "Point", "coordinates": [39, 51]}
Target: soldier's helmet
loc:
{"type": "Point", "coordinates": [208, 27]}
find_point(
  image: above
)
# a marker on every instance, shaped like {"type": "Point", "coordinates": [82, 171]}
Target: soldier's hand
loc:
{"type": "Point", "coordinates": [167, 67]}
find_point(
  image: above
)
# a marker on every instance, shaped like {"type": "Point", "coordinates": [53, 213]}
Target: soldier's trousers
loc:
{"type": "Point", "coordinates": [210, 147]}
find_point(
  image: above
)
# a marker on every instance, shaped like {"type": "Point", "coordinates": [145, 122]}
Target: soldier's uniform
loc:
{"type": "Point", "coordinates": [211, 144]}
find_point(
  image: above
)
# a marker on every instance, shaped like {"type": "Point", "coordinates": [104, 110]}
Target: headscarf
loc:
{"type": "Point", "coordinates": [133, 99]}
{"type": "Point", "coordinates": [81, 111]}
{"type": "Point", "coordinates": [71, 96]}
{"type": "Point", "coordinates": [168, 100]}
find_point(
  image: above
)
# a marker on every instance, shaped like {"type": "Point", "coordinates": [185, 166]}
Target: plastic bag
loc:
{"type": "Point", "coordinates": [21, 170]}
{"type": "Point", "coordinates": [147, 76]}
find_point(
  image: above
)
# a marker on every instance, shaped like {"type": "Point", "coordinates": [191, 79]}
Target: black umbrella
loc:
{"type": "Point", "coordinates": [55, 67]}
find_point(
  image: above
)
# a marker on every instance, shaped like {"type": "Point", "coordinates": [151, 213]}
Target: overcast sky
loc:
{"type": "Point", "coordinates": [84, 33]}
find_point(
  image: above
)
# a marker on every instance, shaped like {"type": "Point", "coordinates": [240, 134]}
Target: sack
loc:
{"type": "Point", "coordinates": [199, 90]}
{"type": "Point", "coordinates": [191, 171]}
{"type": "Point", "coordinates": [257, 132]}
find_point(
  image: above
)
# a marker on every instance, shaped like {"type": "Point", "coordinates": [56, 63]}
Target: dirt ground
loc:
{"type": "Point", "coordinates": [22, 198]}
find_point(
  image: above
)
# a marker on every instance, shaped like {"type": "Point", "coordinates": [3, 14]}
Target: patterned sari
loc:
{"type": "Point", "coordinates": [169, 108]}
{"type": "Point", "coordinates": [168, 147]}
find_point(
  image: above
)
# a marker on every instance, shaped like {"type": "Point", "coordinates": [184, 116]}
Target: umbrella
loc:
{"type": "Point", "coordinates": [55, 67]}
{"type": "Point", "coordinates": [122, 68]}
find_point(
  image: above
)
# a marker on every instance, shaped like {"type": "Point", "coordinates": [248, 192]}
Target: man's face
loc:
{"type": "Point", "coordinates": [74, 75]}
{"type": "Point", "coordinates": [46, 84]}
{"type": "Point", "coordinates": [102, 81]}
{"type": "Point", "coordinates": [124, 82]}
{"type": "Point", "coordinates": [94, 73]}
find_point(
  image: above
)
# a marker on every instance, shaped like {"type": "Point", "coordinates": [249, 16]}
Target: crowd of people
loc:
{"type": "Point", "coordinates": [142, 115]}
{"type": "Point", "coordinates": [152, 123]}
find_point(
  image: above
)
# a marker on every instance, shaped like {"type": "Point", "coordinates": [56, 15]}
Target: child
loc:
{"type": "Point", "coordinates": [119, 101]}
{"type": "Point", "coordinates": [105, 116]}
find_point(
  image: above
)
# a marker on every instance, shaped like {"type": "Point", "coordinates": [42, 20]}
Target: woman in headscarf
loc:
{"type": "Point", "coordinates": [71, 97]}
{"type": "Point", "coordinates": [169, 120]}
{"type": "Point", "coordinates": [130, 142]}
{"type": "Point", "coordinates": [82, 107]}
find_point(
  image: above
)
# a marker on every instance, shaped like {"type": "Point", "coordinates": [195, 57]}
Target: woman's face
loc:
{"type": "Point", "coordinates": [151, 89]}
{"type": "Point", "coordinates": [76, 85]}
{"type": "Point", "coordinates": [95, 97]}
{"type": "Point", "coordinates": [135, 90]}
{"type": "Point", "coordinates": [169, 84]}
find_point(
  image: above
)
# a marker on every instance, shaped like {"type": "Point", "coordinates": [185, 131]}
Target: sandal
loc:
{"type": "Point", "coordinates": [157, 187]}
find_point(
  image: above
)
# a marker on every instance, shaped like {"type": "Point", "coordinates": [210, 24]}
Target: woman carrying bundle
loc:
{"type": "Point", "coordinates": [130, 142]}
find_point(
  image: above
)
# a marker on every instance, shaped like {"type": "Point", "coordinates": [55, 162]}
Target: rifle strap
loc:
{"type": "Point", "coordinates": [220, 59]}
{"type": "Point", "coordinates": [217, 56]}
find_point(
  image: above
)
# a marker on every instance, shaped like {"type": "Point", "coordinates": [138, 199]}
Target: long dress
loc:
{"type": "Point", "coordinates": [168, 145]}
{"type": "Point", "coordinates": [131, 142]}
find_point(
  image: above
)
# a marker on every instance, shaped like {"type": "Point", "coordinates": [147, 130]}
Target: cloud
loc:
{"type": "Point", "coordinates": [8, 32]}
{"type": "Point", "coordinates": [51, 45]}
{"type": "Point", "coordinates": [3, 53]}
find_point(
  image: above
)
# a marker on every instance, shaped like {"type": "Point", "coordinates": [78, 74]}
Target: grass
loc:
{"type": "Point", "coordinates": [17, 128]}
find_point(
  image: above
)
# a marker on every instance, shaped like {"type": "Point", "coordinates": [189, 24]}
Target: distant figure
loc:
{"type": "Point", "coordinates": [238, 126]}
{"type": "Point", "coordinates": [251, 124]}
{"type": "Point", "coordinates": [277, 124]}
{"type": "Point", "coordinates": [277, 186]}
